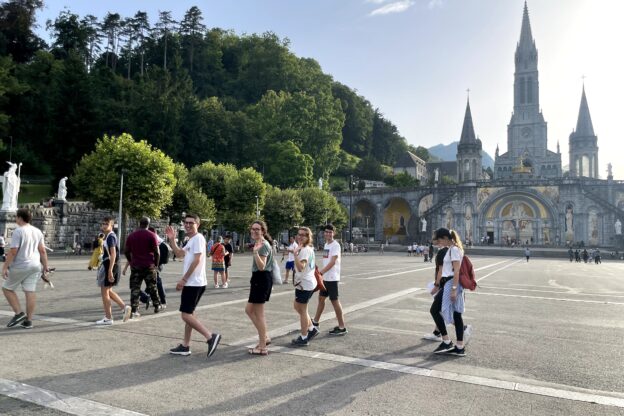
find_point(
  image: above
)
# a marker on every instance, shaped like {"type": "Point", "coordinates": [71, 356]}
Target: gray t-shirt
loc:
{"type": "Point", "coordinates": [26, 240]}
{"type": "Point", "coordinates": [265, 251]}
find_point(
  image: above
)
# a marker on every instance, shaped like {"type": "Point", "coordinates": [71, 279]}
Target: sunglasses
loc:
{"type": "Point", "coordinates": [256, 229]}
{"type": "Point", "coordinates": [189, 222]}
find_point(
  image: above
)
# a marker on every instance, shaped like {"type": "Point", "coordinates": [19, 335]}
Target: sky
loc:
{"type": "Point", "coordinates": [416, 59]}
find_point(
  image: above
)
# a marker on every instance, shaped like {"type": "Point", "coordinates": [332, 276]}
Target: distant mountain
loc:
{"type": "Point", "coordinates": [448, 152]}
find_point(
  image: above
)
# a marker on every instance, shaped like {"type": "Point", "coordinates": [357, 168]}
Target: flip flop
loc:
{"type": "Point", "coordinates": [267, 343]}
{"type": "Point", "coordinates": [258, 351]}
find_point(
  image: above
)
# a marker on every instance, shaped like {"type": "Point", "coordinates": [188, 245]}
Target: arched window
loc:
{"type": "Point", "coordinates": [529, 90]}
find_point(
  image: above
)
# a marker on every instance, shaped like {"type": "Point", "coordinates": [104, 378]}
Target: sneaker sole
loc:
{"type": "Point", "coordinates": [127, 313]}
{"type": "Point", "coordinates": [180, 353]}
{"type": "Point", "coordinates": [455, 354]}
{"type": "Point", "coordinates": [339, 334]}
{"type": "Point", "coordinates": [444, 351]}
{"type": "Point", "coordinates": [214, 345]}
{"type": "Point", "coordinates": [27, 327]}
{"type": "Point", "coordinates": [300, 345]}
{"type": "Point", "coordinates": [432, 339]}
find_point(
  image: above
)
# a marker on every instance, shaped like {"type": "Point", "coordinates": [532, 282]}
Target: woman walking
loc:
{"type": "Point", "coordinates": [305, 283]}
{"type": "Point", "coordinates": [448, 304]}
{"type": "Point", "coordinates": [261, 284]}
{"type": "Point", "coordinates": [218, 254]}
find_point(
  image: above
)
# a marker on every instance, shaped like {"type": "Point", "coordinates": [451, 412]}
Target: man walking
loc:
{"type": "Point", "coordinates": [143, 255]}
{"type": "Point", "coordinates": [192, 284]}
{"type": "Point", "coordinates": [331, 278]}
{"type": "Point", "coordinates": [24, 264]}
{"type": "Point", "coordinates": [527, 253]}
{"type": "Point", "coordinates": [290, 261]}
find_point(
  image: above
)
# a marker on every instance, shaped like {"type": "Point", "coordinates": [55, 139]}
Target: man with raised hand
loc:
{"type": "Point", "coordinates": [331, 279]}
{"type": "Point", "coordinates": [192, 284]}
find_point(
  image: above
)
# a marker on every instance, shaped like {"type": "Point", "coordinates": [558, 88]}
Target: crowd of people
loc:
{"type": "Point", "coordinates": [591, 256]}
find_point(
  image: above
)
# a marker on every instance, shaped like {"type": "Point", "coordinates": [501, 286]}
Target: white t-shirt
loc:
{"type": "Point", "coordinates": [305, 279]}
{"type": "Point", "coordinates": [332, 249]}
{"type": "Point", "coordinates": [26, 240]}
{"type": "Point", "coordinates": [453, 254]}
{"type": "Point", "coordinates": [291, 250]}
{"type": "Point", "coordinates": [195, 245]}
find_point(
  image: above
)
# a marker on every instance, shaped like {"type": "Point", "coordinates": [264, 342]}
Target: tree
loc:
{"type": "Point", "coordinates": [402, 180]}
{"type": "Point", "coordinates": [149, 178]}
{"type": "Point", "coordinates": [188, 197]}
{"type": "Point", "coordinates": [283, 209]}
{"type": "Point", "coordinates": [285, 166]}
{"type": "Point", "coordinates": [245, 191]}
{"type": "Point", "coordinates": [9, 85]}
{"type": "Point", "coordinates": [192, 28]}
{"type": "Point", "coordinates": [320, 206]}
{"type": "Point", "coordinates": [111, 28]}
{"type": "Point", "coordinates": [70, 34]}
{"type": "Point", "coordinates": [388, 144]}
{"type": "Point", "coordinates": [17, 20]}
{"type": "Point", "coordinates": [358, 127]}
{"type": "Point", "coordinates": [212, 179]}
{"type": "Point", "coordinates": [422, 153]}
{"type": "Point", "coordinates": [164, 26]}
{"type": "Point", "coordinates": [370, 168]}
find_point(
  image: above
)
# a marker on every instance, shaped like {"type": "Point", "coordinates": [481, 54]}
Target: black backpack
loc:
{"type": "Point", "coordinates": [164, 253]}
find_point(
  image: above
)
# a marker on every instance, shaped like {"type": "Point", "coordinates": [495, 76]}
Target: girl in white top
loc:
{"type": "Point", "coordinates": [305, 283]}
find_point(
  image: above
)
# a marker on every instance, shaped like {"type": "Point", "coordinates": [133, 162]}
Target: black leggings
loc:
{"type": "Point", "coordinates": [436, 307]}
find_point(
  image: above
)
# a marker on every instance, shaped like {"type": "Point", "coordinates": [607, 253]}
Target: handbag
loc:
{"type": "Point", "coordinates": [276, 273]}
{"type": "Point", "coordinates": [319, 280]}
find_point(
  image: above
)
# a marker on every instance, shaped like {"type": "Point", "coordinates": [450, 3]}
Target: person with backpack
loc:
{"type": "Point", "coordinates": [448, 304]}
{"type": "Point", "coordinates": [162, 260]}
{"type": "Point", "coordinates": [218, 253]}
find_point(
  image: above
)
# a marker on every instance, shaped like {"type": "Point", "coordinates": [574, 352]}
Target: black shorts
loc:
{"type": "Point", "coordinates": [303, 296]}
{"type": "Point", "coordinates": [190, 298]}
{"type": "Point", "coordinates": [261, 286]}
{"type": "Point", "coordinates": [332, 290]}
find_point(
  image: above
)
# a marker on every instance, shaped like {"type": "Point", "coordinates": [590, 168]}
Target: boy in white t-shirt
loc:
{"type": "Point", "coordinates": [305, 283]}
{"type": "Point", "coordinates": [192, 284]}
{"type": "Point", "coordinates": [290, 262]}
{"type": "Point", "coordinates": [331, 279]}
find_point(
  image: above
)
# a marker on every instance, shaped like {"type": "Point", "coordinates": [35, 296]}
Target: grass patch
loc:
{"type": "Point", "coordinates": [30, 192]}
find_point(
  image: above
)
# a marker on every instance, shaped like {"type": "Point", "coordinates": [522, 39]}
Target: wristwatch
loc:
{"type": "Point", "coordinates": [454, 287]}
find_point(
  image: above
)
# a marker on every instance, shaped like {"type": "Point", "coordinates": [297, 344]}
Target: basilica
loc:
{"type": "Point", "coordinates": [528, 199]}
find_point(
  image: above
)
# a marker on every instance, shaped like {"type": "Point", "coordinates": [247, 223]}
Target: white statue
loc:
{"type": "Point", "coordinates": [10, 188]}
{"type": "Point", "coordinates": [320, 182]}
{"type": "Point", "coordinates": [62, 189]}
{"type": "Point", "coordinates": [423, 224]}
{"type": "Point", "coordinates": [609, 170]}
{"type": "Point", "coordinates": [618, 227]}
{"type": "Point", "coordinates": [436, 174]}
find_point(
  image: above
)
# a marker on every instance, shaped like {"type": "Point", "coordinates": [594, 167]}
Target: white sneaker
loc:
{"type": "Point", "coordinates": [225, 285]}
{"type": "Point", "coordinates": [432, 337]}
{"type": "Point", "coordinates": [217, 286]}
{"type": "Point", "coordinates": [104, 321]}
{"type": "Point", "coordinates": [467, 334]}
{"type": "Point", "coordinates": [126, 313]}
{"type": "Point", "coordinates": [136, 315]}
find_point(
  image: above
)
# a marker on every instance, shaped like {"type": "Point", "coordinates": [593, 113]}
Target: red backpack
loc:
{"type": "Point", "coordinates": [467, 274]}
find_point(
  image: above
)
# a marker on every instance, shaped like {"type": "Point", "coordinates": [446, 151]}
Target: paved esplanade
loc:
{"type": "Point", "coordinates": [547, 340]}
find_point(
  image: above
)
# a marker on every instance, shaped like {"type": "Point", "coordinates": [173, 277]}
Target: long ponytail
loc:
{"type": "Point", "coordinates": [457, 240]}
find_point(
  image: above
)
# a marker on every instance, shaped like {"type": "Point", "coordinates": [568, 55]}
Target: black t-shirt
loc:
{"type": "Point", "coordinates": [230, 250]}
{"type": "Point", "coordinates": [439, 260]}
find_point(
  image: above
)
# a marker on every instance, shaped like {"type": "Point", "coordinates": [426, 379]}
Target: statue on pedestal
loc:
{"type": "Point", "coordinates": [10, 188]}
{"type": "Point", "coordinates": [423, 224]}
{"type": "Point", "coordinates": [62, 189]}
{"type": "Point", "coordinates": [618, 227]}
{"type": "Point", "coordinates": [436, 174]}
{"type": "Point", "coordinates": [320, 183]}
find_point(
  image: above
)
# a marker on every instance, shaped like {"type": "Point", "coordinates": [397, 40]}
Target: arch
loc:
{"type": "Point", "coordinates": [396, 218]}
{"type": "Point", "coordinates": [584, 165]}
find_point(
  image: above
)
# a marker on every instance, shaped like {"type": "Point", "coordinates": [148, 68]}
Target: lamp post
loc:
{"type": "Point", "coordinates": [351, 185]}
{"type": "Point", "coordinates": [257, 208]}
{"type": "Point", "coordinates": [121, 204]}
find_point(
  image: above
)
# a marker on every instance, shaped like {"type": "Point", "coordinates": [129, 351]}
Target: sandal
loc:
{"type": "Point", "coordinates": [267, 343]}
{"type": "Point", "coordinates": [258, 351]}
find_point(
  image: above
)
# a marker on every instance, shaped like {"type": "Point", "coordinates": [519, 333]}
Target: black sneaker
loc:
{"type": "Point", "coordinates": [300, 342]}
{"type": "Point", "coordinates": [213, 343]}
{"type": "Point", "coordinates": [158, 308]}
{"type": "Point", "coordinates": [180, 350]}
{"type": "Point", "coordinates": [19, 317]}
{"type": "Point", "coordinates": [442, 348]}
{"type": "Point", "coordinates": [338, 331]}
{"type": "Point", "coordinates": [313, 333]}
{"type": "Point", "coordinates": [460, 352]}
{"type": "Point", "coordinates": [26, 324]}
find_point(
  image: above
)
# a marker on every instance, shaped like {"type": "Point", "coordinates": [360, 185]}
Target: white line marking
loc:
{"type": "Point", "coordinates": [602, 302]}
{"type": "Point", "coordinates": [330, 315]}
{"type": "Point", "coordinates": [575, 293]}
{"type": "Point", "coordinates": [498, 270]}
{"type": "Point", "coordinates": [52, 319]}
{"type": "Point", "coordinates": [59, 401]}
{"type": "Point", "coordinates": [575, 394]}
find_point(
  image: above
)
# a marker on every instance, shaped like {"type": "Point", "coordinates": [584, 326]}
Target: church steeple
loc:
{"type": "Point", "coordinates": [526, 84]}
{"type": "Point", "coordinates": [526, 37]}
{"type": "Point", "coordinates": [584, 126]}
{"type": "Point", "coordinates": [468, 133]}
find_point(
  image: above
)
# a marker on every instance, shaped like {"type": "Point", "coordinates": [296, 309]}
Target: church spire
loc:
{"type": "Point", "coordinates": [584, 126]}
{"type": "Point", "coordinates": [468, 134]}
{"type": "Point", "coordinates": [526, 37]}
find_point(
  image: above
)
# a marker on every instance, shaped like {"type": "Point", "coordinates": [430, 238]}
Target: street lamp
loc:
{"type": "Point", "coordinates": [257, 208]}
{"type": "Point", "coordinates": [121, 203]}
{"type": "Point", "coordinates": [351, 186]}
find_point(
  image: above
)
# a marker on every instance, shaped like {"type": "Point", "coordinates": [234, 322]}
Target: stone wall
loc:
{"type": "Point", "coordinates": [67, 222]}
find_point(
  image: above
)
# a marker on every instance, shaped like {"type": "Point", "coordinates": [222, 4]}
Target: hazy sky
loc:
{"type": "Point", "coordinates": [414, 59]}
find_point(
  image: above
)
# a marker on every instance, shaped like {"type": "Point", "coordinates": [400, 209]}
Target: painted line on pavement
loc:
{"type": "Point", "coordinates": [570, 393]}
{"type": "Point", "coordinates": [562, 292]}
{"type": "Point", "coordinates": [602, 302]}
{"type": "Point", "coordinates": [498, 270]}
{"type": "Point", "coordinates": [60, 401]}
{"type": "Point", "coordinates": [52, 319]}
{"type": "Point", "coordinates": [330, 315]}
{"type": "Point", "coordinates": [428, 268]}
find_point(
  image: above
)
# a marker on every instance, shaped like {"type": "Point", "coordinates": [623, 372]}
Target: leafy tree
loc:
{"type": "Point", "coordinates": [188, 197]}
{"type": "Point", "coordinates": [17, 20]}
{"type": "Point", "coordinates": [212, 180]}
{"type": "Point", "coordinates": [149, 178]}
{"type": "Point", "coordinates": [285, 166]}
{"type": "Point", "coordinates": [370, 168]}
{"type": "Point", "coordinates": [111, 28]}
{"type": "Point", "coordinates": [246, 191]}
{"type": "Point", "coordinates": [422, 153]}
{"type": "Point", "coordinates": [387, 143]}
{"type": "Point", "coordinates": [70, 34]}
{"type": "Point", "coordinates": [165, 25]}
{"type": "Point", "coordinates": [9, 85]}
{"type": "Point", "coordinates": [192, 28]}
{"type": "Point", "coordinates": [402, 180]}
{"type": "Point", "coordinates": [283, 209]}
{"type": "Point", "coordinates": [319, 207]}
{"type": "Point", "coordinates": [358, 127]}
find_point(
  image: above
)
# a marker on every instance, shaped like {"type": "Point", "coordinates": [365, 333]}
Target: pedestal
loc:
{"type": "Point", "coordinates": [7, 223]}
